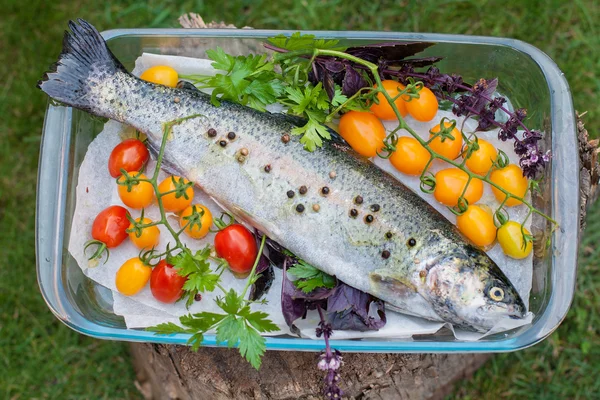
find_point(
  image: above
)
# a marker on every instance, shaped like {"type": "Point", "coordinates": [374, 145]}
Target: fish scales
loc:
{"type": "Point", "coordinates": [431, 271]}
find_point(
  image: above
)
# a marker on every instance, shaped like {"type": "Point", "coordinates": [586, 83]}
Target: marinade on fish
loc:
{"type": "Point", "coordinates": [392, 244]}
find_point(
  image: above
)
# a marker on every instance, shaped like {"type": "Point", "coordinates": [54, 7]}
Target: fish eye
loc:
{"type": "Point", "coordinates": [411, 242]}
{"type": "Point", "coordinates": [496, 293]}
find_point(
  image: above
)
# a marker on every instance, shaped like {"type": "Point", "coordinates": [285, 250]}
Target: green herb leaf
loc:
{"type": "Point", "coordinates": [167, 328]}
{"type": "Point", "coordinates": [310, 278]}
{"type": "Point", "coordinates": [299, 41]}
{"type": "Point", "coordinates": [230, 330]}
{"type": "Point", "coordinates": [222, 60]}
{"type": "Point", "coordinates": [249, 80]}
{"type": "Point", "coordinates": [258, 319]}
{"type": "Point", "coordinates": [231, 303]}
{"type": "Point", "coordinates": [252, 346]}
{"type": "Point", "coordinates": [197, 269]}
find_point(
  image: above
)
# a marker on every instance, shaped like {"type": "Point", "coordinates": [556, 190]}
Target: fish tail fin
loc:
{"type": "Point", "coordinates": [84, 55]}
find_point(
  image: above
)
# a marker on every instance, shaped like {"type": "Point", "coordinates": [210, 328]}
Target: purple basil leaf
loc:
{"type": "Point", "coordinates": [416, 62]}
{"type": "Point", "coordinates": [328, 83]}
{"type": "Point", "coordinates": [263, 284]}
{"type": "Point", "coordinates": [332, 65]}
{"type": "Point", "coordinates": [353, 81]}
{"type": "Point", "coordinates": [263, 263]}
{"type": "Point", "coordinates": [391, 51]}
{"type": "Point", "coordinates": [291, 307]}
{"type": "Point", "coordinates": [350, 309]}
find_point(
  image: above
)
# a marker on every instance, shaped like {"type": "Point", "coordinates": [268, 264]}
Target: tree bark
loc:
{"type": "Point", "coordinates": [167, 372]}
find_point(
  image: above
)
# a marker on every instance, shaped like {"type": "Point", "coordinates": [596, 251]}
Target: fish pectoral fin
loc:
{"type": "Point", "coordinates": [385, 281]}
{"type": "Point", "coordinates": [401, 294]}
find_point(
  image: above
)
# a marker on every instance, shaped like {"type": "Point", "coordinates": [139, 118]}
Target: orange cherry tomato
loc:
{"type": "Point", "coordinates": [511, 179]}
{"type": "Point", "coordinates": [132, 276]}
{"type": "Point", "coordinates": [170, 201]}
{"type": "Point", "coordinates": [481, 160]}
{"type": "Point", "coordinates": [449, 148]}
{"type": "Point", "coordinates": [511, 240]}
{"type": "Point", "coordinates": [425, 107]}
{"type": "Point", "coordinates": [149, 236]}
{"type": "Point", "coordinates": [196, 229]}
{"type": "Point", "coordinates": [384, 110]}
{"type": "Point", "coordinates": [140, 195]}
{"type": "Point", "coordinates": [363, 131]}
{"type": "Point", "coordinates": [450, 183]}
{"type": "Point", "coordinates": [410, 157]}
{"type": "Point", "coordinates": [477, 224]}
{"type": "Point", "coordinates": [162, 75]}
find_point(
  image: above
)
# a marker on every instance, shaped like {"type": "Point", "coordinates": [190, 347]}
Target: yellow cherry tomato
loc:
{"type": "Point", "coordinates": [481, 160]}
{"type": "Point", "coordinates": [149, 236]}
{"type": "Point", "coordinates": [450, 183]}
{"type": "Point", "coordinates": [363, 131]}
{"type": "Point", "coordinates": [410, 157]}
{"type": "Point", "coordinates": [512, 242]}
{"type": "Point", "coordinates": [170, 201]}
{"type": "Point", "coordinates": [447, 147]}
{"type": "Point", "coordinates": [511, 179]}
{"type": "Point", "coordinates": [132, 276]}
{"type": "Point", "coordinates": [477, 224]}
{"type": "Point", "coordinates": [384, 110]}
{"type": "Point", "coordinates": [140, 195]}
{"type": "Point", "coordinates": [162, 75]}
{"type": "Point", "coordinates": [425, 107]}
{"type": "Point", "coordinates": [195, 228]}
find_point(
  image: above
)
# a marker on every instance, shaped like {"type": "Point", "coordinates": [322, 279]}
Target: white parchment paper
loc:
{"type": "Point", "coordinates": [97, 190]}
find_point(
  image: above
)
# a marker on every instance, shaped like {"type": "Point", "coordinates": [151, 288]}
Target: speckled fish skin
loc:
{"type": "Point", "coordinates": [432, 271]}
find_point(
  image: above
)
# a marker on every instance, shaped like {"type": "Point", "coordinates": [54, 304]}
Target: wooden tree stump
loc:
{"type": "Point", "coordinates": [167, 372]}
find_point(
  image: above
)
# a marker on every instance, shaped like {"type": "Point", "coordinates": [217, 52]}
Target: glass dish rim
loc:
{"type": "Point", "coordinates": [52, 186]}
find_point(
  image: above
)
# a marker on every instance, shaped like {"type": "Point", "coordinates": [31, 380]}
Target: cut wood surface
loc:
{"type": "Point", "coordinates": [166, 372]}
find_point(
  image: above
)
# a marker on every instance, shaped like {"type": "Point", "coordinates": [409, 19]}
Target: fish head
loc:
{"type": "Point", "coordinates": [469, 289]}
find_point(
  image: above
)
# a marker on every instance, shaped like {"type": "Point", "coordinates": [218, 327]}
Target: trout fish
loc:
{"type": "Point", "coordinates": [350, 219]}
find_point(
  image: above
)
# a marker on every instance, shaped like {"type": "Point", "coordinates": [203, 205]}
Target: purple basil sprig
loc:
{"type": "Point", "coordinates": [330, 360]}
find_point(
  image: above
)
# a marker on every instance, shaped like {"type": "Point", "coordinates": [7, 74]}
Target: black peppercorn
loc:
{"type": "Point", "coordinates": [303, 189]}
{"type": "Point", "coordinates": [354, 213]}
{"type": "Point", "coordinates": [212, 132]}
{"type": "Point", "coordinates": [412, 242]}
{"type": "Point", "coordinates": [375, 207]}
{"type": "Point", "coordinates": [358, 200]}
{"type": "Point", "coordinates": [300, 208]}
{"type": "Point", "coordinates": [290, 194]}
{"type": "Point", "coordinates": [222, 143]}
{"type": "Point", "coordinates": [231, 135]}
{"type": "Point", "coordinates": [268, 168]}
{"type": "Point", "coordinates": [325, 190]}
{"type": "Point", "coordinates": [389, 235]}
{"type": "Point", "coordinates": [369, 218]}
{"type": "Point", "coordinates": [385, 254]}
{"type": "Point", "coordinates": [285, 138]}
{"type": "Point", "coordinates": [197, 297]}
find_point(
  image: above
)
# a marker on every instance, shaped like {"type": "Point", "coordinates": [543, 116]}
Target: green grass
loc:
{"type": "Point", "coordinates": [41, 358]}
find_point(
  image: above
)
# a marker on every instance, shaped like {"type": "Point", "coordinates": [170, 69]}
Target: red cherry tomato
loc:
{"type": "Point", "coordinates": [130, 154]}
{"type": "Point", "coordinates": [110, 226]}
{"type": "Point", "coordinates": [237, 246]}
{"type": "Point", "coordinates": [165, 284]}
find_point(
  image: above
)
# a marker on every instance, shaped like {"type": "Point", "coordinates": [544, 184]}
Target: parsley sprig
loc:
{"type": "Point", "coordinates": [310, 278]}
{"type": "Point", "coordinates": [238, 325]}
{"type": "Point", "coordinates": [259, 80]}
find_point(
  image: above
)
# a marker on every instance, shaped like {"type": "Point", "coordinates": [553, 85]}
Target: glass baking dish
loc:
{"type": "Point", "coordinates": [527, 77]}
